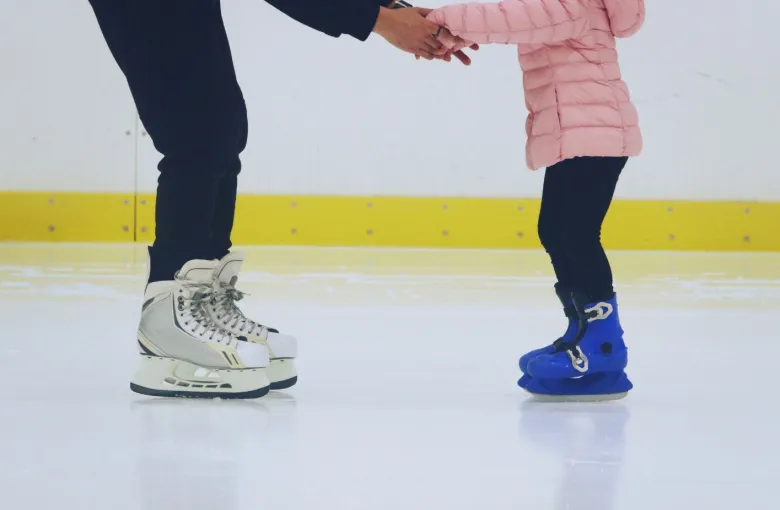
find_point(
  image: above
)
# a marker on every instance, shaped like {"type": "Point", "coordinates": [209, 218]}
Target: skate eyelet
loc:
{"type": "Point", "coordinates": [599, 312]}
{"type": "Point", "coordinates": [578, 359]}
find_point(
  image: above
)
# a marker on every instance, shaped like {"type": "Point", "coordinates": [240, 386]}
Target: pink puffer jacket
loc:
{"type": "Point", "coordinates": [578, 103]}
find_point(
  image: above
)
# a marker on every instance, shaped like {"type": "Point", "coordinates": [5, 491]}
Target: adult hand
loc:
{"type": "Point", "coordinates": [452, 43]}
{"type": "Point", "coordinates": [408, 30]}
{"type": "Point", "coordinates": [457, 53]}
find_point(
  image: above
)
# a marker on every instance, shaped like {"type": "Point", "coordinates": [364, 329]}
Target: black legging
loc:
{"type": "Point", "coordinates": [177, 61]}
{"type": "Point", "coordinates": [576, 197]}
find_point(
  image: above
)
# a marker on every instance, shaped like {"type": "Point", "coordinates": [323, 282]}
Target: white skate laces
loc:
{"type": "Point", "coordinates": [228, 313]}
{"type": "Point", "coordinates": [197, 320]}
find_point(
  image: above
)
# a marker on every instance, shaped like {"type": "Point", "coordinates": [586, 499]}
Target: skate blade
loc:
{"type": "Point", "coordinates": [540, 397]}
{"type": "Point", "coordinates": [283, 385]}
{"type": "Point", "coordinates": [282, 373]}
{"type": "Point", "coordinates": [600, 387]}
{"type": "Point", "coordinates": [167, 377]}
{"type": "Point", "coordinates": [141, 390]}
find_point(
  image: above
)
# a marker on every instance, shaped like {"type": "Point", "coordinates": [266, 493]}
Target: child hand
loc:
{"type": "Point", "coordinates": [451, 42]}
{"type": "Point", "coordinates": [460, 55]}
{"type": "Point", "coordinates": [455, 46]}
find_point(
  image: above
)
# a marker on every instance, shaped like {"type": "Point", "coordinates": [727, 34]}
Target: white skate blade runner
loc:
{"type": "Point", "coordinates": [168, 377]}
{"type": "Point", "coordinates": [282, 373]}
{"type": "Point", "coordinates": [579, 398]}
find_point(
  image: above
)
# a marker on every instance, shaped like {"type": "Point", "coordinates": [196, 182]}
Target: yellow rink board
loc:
{"type": "Point", "coordinates": [432, 222]}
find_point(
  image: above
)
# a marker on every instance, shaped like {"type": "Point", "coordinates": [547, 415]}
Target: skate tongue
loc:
{"type": "Point", "coordinates": [201, 271]}
{"type": "Point", "coordinates": [229, 267]}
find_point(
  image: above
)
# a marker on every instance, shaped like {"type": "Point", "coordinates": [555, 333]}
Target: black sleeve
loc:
{"type": "Point", "coordinates": [334, 17]}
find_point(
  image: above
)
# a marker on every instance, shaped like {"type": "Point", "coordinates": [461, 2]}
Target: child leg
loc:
{"type": "Point", "coordinates": [592, 363]}
{"type": "Point", "coordinates": [551, 218]}
{"type": "Point", "coordinates": [587, 193]}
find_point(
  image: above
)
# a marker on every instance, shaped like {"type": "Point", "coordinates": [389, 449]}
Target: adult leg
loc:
{"type": "Point", "coordinates": [224, 212]}
{"type": "Point", "coordinates": [181, 79]}
{"type": "Point", "coordinates": [180, 72]}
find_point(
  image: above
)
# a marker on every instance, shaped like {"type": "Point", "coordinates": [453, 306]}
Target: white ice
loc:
{"type": "Point", "coordinates": [407, 396]}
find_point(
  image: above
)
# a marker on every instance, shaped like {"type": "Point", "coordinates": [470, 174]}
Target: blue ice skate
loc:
{"type": "Point", "coordinates": [568, 335]}
{"type": "Point", "coordinates": [590, 366]}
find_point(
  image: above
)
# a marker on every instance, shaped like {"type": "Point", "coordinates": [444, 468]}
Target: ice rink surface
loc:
{"type": "Point", "coordinates": [407, 396]}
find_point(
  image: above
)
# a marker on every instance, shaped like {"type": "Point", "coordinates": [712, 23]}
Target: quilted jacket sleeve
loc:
{"type": "Point", "coordinates": [626, 17]}
{"type": "Point", "coordinates": [515, 21]}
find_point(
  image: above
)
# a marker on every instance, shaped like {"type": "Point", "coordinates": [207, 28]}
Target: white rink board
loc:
{"type": "Point", "coordinates": [339, 117]}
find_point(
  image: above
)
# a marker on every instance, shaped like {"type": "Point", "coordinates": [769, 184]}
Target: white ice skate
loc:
{"type": "Point", "coordinates": [223, 308]}
{"type": "Point", "coordinates": [185, 353]}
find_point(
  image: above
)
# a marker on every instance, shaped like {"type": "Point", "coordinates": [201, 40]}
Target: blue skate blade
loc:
{"type": "Point", "coordinates": [595, 387]}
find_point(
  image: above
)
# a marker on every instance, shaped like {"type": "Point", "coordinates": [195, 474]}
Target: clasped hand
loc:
{"type": "Point", "coordinates": [409, 30]}
{"type": "Point", "coordinates": [452, 45]}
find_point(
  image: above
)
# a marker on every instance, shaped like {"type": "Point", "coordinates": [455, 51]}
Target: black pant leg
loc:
{"type": "Point", "coordinates": [224, 213]}
{"type": "Point", "coordinates": [175, 57]}
{"type": "Point", "coordinates": [551, 217]}
{"type": "Point", "coordinates": [589, 187]}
